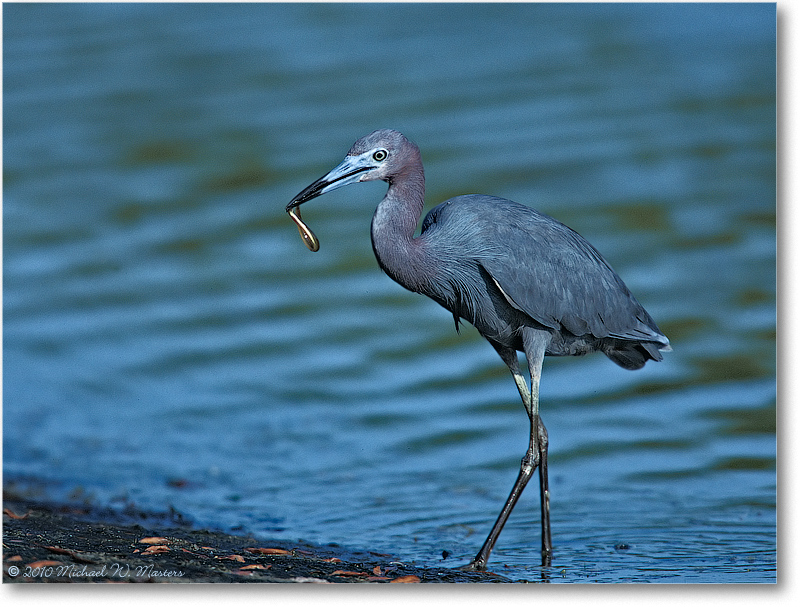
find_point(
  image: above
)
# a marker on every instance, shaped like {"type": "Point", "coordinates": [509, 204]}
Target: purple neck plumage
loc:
{"type": "Point", "coordinates": [395, 221]}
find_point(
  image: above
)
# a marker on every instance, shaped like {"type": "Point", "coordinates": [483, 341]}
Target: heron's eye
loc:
{"type": "Point", "coordinates": [380, 155]}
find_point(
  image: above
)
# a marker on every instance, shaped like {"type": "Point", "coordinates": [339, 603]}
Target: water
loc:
{"type": "Point", "coordinates": [169, 341]}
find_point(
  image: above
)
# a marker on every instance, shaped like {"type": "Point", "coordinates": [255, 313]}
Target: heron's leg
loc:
{"type": "Point", "coordinates": [535, 344]}
{"type": "Point", "coordinates": [547, 542]}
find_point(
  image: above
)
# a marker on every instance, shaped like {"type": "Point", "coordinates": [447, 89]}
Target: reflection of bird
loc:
{"type": "Point", "coordinates": [527, 283]}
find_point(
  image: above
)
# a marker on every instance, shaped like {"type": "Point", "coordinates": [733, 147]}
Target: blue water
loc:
{"type": "Point", "coordinates": [169, 341]}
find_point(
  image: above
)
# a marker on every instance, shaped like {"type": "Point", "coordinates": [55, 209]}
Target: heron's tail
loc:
{"type": "Point", "coordinates": [633, 355]}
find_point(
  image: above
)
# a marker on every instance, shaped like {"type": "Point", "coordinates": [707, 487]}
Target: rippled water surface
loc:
{"type": "Point", "coordinates": [169, 341]}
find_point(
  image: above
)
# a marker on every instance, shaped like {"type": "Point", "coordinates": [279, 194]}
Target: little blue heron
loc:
{"type": "Point", "coordinates": [525, 281]}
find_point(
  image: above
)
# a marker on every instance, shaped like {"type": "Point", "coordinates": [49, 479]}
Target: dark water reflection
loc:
{"type": "Point", "coordinates": [168, 340]}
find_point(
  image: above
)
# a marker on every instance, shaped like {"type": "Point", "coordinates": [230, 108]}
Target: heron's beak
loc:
{"type": "Point", "coordinates": [349, 171]}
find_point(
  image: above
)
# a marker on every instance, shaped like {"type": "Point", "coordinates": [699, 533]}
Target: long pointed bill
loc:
{"type": "Point", "coordinates": [349, 171]}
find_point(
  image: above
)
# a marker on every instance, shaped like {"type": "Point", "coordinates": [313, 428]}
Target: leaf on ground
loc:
{"type": "Point", "coordinates": [154, 540]}
{"type": "Point", "coordinates": [36, 564]}
{"type": "Point", "coordinates": [350, 573]}
{"type": "Point", "coordinates": [406, 579]}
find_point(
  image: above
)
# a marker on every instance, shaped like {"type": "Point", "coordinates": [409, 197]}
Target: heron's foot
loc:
{"type": "Point", "coordinates": [475, 565]}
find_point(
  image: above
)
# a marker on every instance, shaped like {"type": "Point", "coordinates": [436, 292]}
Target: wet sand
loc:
{"type": "Point", "coordinates": [62, 543]}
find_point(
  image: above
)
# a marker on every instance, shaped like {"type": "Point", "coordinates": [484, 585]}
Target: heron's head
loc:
{"type": "Point", "coordinates": [382, 154]}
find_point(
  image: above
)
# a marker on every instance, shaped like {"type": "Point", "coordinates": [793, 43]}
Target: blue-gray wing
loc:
{"type": "Point", "coordinates": [549, 271]}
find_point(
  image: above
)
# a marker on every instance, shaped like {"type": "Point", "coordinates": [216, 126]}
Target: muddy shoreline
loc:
{"type": "Point", "coordinates": [63, 543]}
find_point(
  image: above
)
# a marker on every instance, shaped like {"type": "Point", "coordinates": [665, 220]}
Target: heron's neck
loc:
{"type": "Point", "coordinates": [399, 254]}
